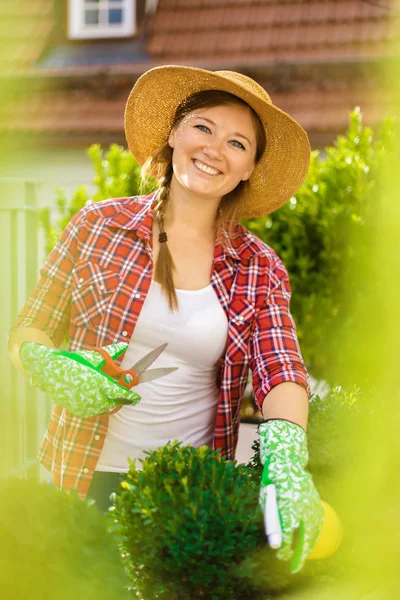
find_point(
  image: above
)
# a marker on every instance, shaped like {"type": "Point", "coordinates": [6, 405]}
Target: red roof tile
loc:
{"type": "Point", "coordinates": [219, 31]}
{"type": "Point", "coordinates": [274, 30]}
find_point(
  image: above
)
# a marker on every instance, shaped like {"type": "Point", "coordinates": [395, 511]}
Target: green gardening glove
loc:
{"type": "Point", "coordinates": [74, 380]}
{"type": "Point", "coordinates": [284, 454]}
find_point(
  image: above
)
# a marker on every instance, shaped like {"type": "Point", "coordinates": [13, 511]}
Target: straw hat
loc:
{"type": "Point", "coordinates": [150, 111]}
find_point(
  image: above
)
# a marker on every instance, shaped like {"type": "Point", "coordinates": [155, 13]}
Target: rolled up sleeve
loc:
{"type": "Point", "coordinates": [48, 306]}
{"type": "Point", "coordinates": [275, 352]}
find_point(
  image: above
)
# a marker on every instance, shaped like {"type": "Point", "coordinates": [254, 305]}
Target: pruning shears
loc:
{"type": "Point", "coordinates": [125, 378]}
{"type": "Point", "coordinates": [137, 373]}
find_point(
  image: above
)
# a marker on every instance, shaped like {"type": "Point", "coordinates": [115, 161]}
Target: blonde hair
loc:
{"type": "Point", "coordinates": [159, 166]}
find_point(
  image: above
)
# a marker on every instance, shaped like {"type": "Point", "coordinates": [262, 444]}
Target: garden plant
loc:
{"type": "Point", "coordinates": [188, 525]}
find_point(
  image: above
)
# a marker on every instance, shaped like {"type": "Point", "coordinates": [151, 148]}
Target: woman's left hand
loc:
{"type": "Point", "coordinates": [283, 452]}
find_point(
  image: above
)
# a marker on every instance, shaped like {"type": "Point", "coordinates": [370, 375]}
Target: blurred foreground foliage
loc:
{"type": "Point", "coordinates": [53, 546]}
{"type": "Point", "coordinates": [322, 235]}
{"type": "Point", "coordinates": [188, 524]}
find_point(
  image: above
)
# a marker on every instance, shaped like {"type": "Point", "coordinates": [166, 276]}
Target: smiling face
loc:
{"type": "Point", "coordinates": [213, 150]}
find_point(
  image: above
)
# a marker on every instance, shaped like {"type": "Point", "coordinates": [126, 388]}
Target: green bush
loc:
{"type": "Point", "coordinates": [55, 546]}
{"type": "Point", "coordinates": [323, 236]}
{"type": "Point", "coordinates": [333, 423]}
{"type": "Point", "coordinates": [189, 525]}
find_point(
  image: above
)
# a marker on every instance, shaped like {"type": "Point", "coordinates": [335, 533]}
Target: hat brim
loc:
{"type": "Point", "coordinates": [150, 111]}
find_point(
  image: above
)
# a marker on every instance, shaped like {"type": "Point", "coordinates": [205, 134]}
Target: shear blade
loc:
{"type": "Point", "coordinates": [156, 373]}
{"type": "Point", "coordinates": [148, 360]}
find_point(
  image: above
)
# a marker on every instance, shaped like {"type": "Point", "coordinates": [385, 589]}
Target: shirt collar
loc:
{"type": "Point", "coordinates": [138, 214]}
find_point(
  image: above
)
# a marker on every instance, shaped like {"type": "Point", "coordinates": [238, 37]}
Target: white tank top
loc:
{"type": "Point", "coordinates": [183, 404]}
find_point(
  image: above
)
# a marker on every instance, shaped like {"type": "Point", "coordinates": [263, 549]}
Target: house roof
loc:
{"type": "Point", "coordinates": [219, 33]}
{"type": "Point", "coordinates": [270, 30]}
{"type": "Point", "coordinates": [274, 41]}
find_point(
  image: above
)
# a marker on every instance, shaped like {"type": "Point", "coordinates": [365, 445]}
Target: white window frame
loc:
{"type": "Point", "coordinates": [77, 29]}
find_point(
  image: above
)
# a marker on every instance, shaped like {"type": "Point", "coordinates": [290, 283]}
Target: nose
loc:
{"type": "Point", "coordinates": [213, 148]}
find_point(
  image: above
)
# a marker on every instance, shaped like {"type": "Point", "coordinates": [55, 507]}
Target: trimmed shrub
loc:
{"type": "Point", "coordinates": [189, 527]}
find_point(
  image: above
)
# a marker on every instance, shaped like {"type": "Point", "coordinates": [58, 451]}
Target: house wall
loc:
{"type": "Point", "coordinates": [52, 168]}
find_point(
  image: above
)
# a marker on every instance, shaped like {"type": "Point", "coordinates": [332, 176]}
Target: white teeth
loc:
{"type": "Point", "coordinates": [209, 170]}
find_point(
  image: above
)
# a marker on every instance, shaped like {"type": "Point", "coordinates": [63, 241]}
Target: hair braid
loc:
{"type": "Point", "coordinates": [165, 265]}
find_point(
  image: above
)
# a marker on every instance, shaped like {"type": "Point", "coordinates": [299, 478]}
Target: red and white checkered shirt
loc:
{"type": "Point", "coordinates": [93, 286]}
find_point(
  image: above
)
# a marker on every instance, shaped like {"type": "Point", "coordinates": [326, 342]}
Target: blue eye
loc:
{"type": "Point", "coordinates": [203, 128]}
{"type": "Point", "coordinates": [239, 145]}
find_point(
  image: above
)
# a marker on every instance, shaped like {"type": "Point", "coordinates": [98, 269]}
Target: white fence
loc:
{"type": "Point", "coordinates": [24, 412]}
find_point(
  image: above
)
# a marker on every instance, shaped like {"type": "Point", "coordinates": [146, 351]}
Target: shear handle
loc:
{"type": "Point", "coordinates": [125, 378]}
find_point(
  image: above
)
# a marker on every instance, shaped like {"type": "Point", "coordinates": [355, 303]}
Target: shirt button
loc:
{"type": "Point", "coordinates": [85, 470]}
{"type": "Point", "coordinates": [124, 333]}
{"type": "Point", "coordinates": [96, 437]}
{"type": "Point", "coordinates": [102, 287]}
{"type": "Point", "coordinates": [137, 295]}
{"type": "Point", "coordinates": [81, 280]}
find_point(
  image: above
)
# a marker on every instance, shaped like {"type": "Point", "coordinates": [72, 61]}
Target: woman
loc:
{"type": "Point", "coordinates": [177, 267]}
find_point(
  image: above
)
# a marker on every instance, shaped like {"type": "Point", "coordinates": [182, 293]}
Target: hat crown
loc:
{"type": "Point", "coordinates": [247, 83]}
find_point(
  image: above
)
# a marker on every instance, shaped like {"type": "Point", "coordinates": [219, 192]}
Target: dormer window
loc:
{"type": "Point", "coordinates": [89, 19]}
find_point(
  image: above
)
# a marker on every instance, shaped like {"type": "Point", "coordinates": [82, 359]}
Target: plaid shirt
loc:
{"type": "Point", "coordinates": [93, 286]}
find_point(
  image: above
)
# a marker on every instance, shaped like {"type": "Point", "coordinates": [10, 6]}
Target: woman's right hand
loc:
{"type": "Point", "coordinates": [72, 380]}
{"type": "Point", "coordinates": [26, 334]}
